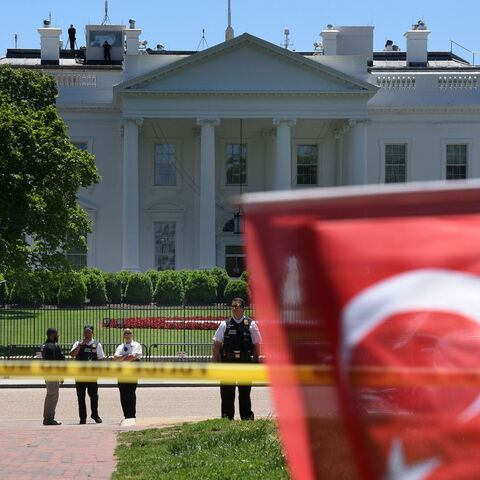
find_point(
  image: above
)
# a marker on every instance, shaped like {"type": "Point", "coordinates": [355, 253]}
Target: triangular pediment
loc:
{"type": "Point", "coordinates": [246, 64]}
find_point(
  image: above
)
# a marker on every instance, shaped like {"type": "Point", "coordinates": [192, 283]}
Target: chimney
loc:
{"type": "Point", "coordinates": [417, 45]}
{"type": "Point", "coordinates": [49, 44]}
{"type": "Point", "coordinates": [329, 40]}
{"type": "Point", "coordinates": [132, 35]}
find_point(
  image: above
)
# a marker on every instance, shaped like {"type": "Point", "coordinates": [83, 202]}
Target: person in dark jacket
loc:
{"type": "Point", "coordinates": [51, 351]}
{"type": "Point", "coordinates": [71, 37]}
{"type": "Point", "coordinates": [87, 349]}
{"type": "Point", "coordinates": [237, 341]}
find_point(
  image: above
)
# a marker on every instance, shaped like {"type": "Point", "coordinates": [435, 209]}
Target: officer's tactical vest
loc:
{"type": "Point", "coordinates": [237, 342]}
{"type": "Point", "coordinates": [88, 352]}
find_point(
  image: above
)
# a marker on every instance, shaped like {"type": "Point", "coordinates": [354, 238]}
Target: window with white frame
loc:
{"type": "Point", "coordinates": [395, 163]}
{"type": "Point", "coordinates": [456, 165]}
{"type": "Point", "coordinates": [77, 256]}
{"type": "Point", "coordinates": [165, 245]}
{"type": "Point", "coordinates": [234, 260]}
{"type": "Point", "coordinates": [165, 164]}
{"type": "Point", "coordinates": [307, 165]}
{"type": "Point", "coordinates": [81, 145]}
{"type": "Point", "coordinates": [236, 164]}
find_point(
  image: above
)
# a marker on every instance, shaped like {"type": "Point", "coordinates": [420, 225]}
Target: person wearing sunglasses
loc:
{"type": "Point", "coordinates": [237, 340]}
{"type": "Point", "coordinates": [128, 351]}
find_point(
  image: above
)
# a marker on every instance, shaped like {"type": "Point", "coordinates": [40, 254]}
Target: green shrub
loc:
{"type": "Point", "coordinates": [91, 270]}
{"type": "Point", "coordinates": [139, 289]}
{"type": "Point", "coordinates": [3, 290]}
{"type": "Point", "coordinates": [96, 291]}
{"type": "Point", "coordinates": [245, 276]}
{"type": "Point", "coordinates": [72, 291]}
{"type": "Point", "coordinates": [27, 290]}
{"type": "Point", "coordinates": [236, 288]}
{"type": "Point", "coordinates": [113, 287]}
{"type": "Point", "coordinates": [123, 276]}
{"type": "Point", "coordinates": [169, 289]}
{"type": "Point", "coordinates": [221, 278]}
{"type": "Point", "coordinates": [49, 283]}
{"type": "Point", "coordinates": [153, 275]}
{"type": "Point", "coordinates": [200, 288]}
{"type": "Point", "coordinates": [185, 275]}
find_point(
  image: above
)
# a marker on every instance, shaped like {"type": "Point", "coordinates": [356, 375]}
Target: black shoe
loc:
{"type": "Point", "coordinates": [51, 422]}
{"type": "Point", "coordinates": [83, 421]}
{"type": "Point", "coordinates": [97, 419]}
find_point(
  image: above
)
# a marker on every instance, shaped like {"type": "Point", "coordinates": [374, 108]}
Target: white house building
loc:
{"type": "Point", "coordinates": [176, 133]}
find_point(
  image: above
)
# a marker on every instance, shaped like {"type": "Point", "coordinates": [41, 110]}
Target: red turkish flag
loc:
{"type": "Point", "coordinates": [389, 280]}
{"type": "Point", "coordinates": [405, 292]}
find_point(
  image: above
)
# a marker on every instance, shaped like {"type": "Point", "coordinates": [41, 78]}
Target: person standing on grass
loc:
{"type": "Point", "coordinates": [51, 351]}
{"type": "Point", "coordinates": [128, 351]}
{"type": "Point", "coordinates": [87, 349]}
{"type": "Point", "coordinates": [237, 341]}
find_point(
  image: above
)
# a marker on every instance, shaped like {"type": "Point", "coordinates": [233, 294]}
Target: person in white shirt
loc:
{"type": "Point", "coordinates": [237, 341]}
{"type": "Point", "coordinates": [129, 351]}
{"type": "Point", "coordinates": [87, 349]}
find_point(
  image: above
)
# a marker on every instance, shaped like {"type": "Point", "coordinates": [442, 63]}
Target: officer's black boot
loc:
{"type": "Point", "coordinates": [94, 404]}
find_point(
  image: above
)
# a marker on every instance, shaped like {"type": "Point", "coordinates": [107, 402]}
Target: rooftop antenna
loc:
{"type": "Point", "coordinates": [287, 42]}
{"type": "Point", "coordinates": [229, 33]}
{"type": "Point", "coordinates": [106, 18]}
{"type": "Point", "coordinates": [203, 41]}
{"type": "Point", "coordinates": [16, 40]}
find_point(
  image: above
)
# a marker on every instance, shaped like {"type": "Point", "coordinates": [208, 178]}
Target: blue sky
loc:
{"type": "Point", "coordinates": [178, 24]}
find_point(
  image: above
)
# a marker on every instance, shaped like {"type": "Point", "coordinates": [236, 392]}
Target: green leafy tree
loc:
{"type": "Point", "coordinates": [40, 175]}
{"type": "Point", "coordinates": [113, 287]}
{"type": "Point", "coordinates": [221, 278]}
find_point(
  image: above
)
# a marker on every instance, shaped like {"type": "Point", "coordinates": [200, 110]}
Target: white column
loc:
{"type": "Point", "coordinates": [339, 154]}
{"type": "Point", "coordinates": [131, 226]}
{"type": "Point", "coordinates": [207, 239]}
{"type": "Point", "coordinates": [283, 160]}
{"type": "Point", "coordinates": [359, 147]}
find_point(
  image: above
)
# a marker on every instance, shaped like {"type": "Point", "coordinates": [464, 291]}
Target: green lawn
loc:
{"type": "Point", "coordinates": [210, 450]}
{"type": "Point", "coordinates": [28, 326]}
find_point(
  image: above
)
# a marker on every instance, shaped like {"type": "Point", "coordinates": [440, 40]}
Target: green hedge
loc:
{"type": "Point", "coordinates": [3, 290]}
{"type": "Point", "coordinates": [27, 290]}
{"type": "Point", "coordinates": [113, 287]}
{"type": "Point", "coordinates": [169, 289]}
{"type": "Point", "coordinates": [95, 283]}
{"type": "Point", "coordinates": [73, 290]}
{"type": "Point", "coordinates": [200, 287]}
{"type": "Point", "coordinates": [139, 289]}
{"type": "Point", "coordinates": [221, 279]}
{"type": "Point", "coordinates": [235, 289]}
{"type": "Point", "coordinates": [123, 276]}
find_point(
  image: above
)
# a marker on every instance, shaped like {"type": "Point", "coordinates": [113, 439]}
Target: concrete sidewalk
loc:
{"type": "Point", "coordinates": [29, 450]}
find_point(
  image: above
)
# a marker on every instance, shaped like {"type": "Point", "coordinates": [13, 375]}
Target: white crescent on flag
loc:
{"type": "Point", "coordinates": [418, 290]}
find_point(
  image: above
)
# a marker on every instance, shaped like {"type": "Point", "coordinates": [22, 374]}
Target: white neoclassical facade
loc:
{"type": "Point", "coordinates": [176, 134]}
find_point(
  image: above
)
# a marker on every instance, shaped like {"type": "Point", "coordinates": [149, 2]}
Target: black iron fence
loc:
{"type": "Point", "coordinates": [181, 333]}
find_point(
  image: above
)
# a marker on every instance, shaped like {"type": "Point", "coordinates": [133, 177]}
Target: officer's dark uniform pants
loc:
{"type": "Point", "coordinates": [128, 398]}
{"type": "Point", "coordinates": [227, 393]}
{"type": "Point", "coordinates": [92, 389]}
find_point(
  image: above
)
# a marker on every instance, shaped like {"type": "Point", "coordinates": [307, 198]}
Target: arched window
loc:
{"type": "Point", "coordinates": [229, 226]}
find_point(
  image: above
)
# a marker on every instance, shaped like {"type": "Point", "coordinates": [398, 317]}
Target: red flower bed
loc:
{"type": "Point", "coordinates": [166, 323]}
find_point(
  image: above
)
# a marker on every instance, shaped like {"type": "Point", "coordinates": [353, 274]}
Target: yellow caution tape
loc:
{"type": "Point", "coordinates": [242, 374]}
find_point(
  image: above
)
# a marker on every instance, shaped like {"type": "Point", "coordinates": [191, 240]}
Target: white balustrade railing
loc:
{"type": "Point", "coordinates": [396, 81]}
{"type": "Point", "coordinates": [76, 80]}
{"type": "Point", "coordinates": [458, 82]}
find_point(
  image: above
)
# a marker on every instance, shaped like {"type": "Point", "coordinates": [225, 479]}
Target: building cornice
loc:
{"type": "Point", "coordinates": [395, 109]}
{"type": "Point", "coordinates": [92, 107]}
{"type": "Point", "coordinates": [246, 93]}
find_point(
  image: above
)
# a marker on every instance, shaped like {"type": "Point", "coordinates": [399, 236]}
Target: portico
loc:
{"type": "Point", "coordinates": [194, 107]}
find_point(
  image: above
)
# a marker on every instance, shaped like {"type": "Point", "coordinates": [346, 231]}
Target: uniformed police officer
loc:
{"type": "Point", "coordinates": [87, 349]}
{"type": "Point", "coordinates": [237, 341]}
{"type": "Point", "coordinates": [51, 351]}
{"type": "Point", "coordinates": [128, 351]}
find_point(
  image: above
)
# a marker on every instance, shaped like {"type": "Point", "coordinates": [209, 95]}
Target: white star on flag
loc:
{"type": "Point", "coordinates": [399, 470]}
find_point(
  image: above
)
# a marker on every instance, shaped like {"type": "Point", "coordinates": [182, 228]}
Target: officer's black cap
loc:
{"type": "Point", "coordinates": [50, 331]}
{"type": "Point", "coordinates": [88, 327]}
